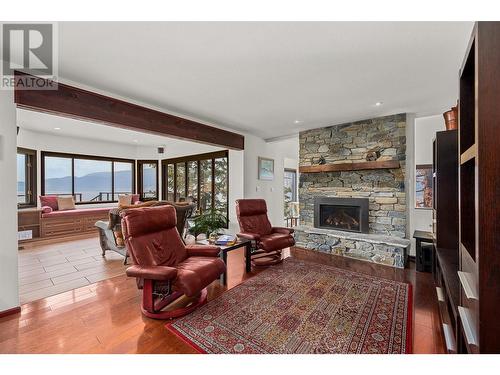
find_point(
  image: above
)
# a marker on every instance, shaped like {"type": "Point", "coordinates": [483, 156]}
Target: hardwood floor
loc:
{"type": "Point", "coordinates": [105, 317]}
{"type": "Point", "coordinates": [51, 268]}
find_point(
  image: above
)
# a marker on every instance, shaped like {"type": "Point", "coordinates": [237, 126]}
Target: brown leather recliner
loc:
{"type": "Point", "coordinates": [268, 241]}
{"type": "Point", "coordinates": [169, 269]}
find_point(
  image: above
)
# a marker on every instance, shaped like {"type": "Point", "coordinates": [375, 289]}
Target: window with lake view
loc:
{"type": "Point", "coordinates": [90, 179]}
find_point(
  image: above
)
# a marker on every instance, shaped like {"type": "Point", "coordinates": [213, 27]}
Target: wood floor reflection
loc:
{"type": "Point", "coordinates": [105, 317]}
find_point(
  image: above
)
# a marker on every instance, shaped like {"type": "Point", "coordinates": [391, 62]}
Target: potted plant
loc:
{"type": "Point", "coordinates": [208, 223]}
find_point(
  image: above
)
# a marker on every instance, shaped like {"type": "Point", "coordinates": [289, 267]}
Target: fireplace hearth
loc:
{"type": "Point", "coordinates": [347, 214]}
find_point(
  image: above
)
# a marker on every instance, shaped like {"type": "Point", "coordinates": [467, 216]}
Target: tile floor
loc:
{"type": "Point", "coordinates": [49, 269]}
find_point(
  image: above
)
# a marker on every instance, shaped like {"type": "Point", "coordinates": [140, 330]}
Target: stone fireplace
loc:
{"type": "Point", "coordinates": [352, 190]}
{"type": "Point", "coordinates": [349, 214]}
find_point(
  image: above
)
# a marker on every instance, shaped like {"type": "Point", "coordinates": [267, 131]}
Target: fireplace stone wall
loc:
{"type": "Point", "coordinates": [385, 188]}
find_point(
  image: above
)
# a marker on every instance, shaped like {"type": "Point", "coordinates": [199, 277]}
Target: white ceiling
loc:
{"type": "Point", "coordinates": [262, 77]}
{"type": "Point", "coordinates": [67, 127]}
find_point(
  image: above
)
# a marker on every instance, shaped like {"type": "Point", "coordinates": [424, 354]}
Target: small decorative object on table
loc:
{"type": "Point", "coordinates": [226, 240]}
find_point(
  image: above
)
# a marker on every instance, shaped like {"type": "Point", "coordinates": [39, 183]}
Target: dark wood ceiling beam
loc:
{"type": "Point", "coordinates": [74, 102]}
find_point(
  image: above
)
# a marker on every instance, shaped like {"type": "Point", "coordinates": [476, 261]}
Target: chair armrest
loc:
{"type": "Point", "coordinates": [282, 230]}
{"type": "Point", "coordinates": [249, 236]}
{"type": "Point", "coordinates": [159, 273]}
{"type": "Point", "coordinates": [203, 250]}
{"type": "Point", "coordinates": [102, 224]}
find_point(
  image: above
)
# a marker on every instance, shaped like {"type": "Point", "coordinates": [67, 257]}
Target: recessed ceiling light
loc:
{"type": "Point", "coordinates": [297, 122]}
{"type": "Point", "coordinates": [57, 128]}
{"type": "Point", "coordinates": [378, 104]}
{"type": "Point", "coordinates": [135, 140]}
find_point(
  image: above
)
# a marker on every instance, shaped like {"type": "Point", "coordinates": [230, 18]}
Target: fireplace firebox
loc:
{"type": "Point", "coordinates": [348, 214]}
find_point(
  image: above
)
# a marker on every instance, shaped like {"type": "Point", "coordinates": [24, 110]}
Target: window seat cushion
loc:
{"type": "Point", "coordinates": [77, 212]}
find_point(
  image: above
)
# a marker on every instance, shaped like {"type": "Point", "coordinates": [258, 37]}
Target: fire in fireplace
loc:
{"type": "Point", "coordinates": [349, 214]}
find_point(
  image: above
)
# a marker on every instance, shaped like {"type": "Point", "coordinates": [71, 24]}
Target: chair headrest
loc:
{"type": "Point", "coordinates": [251, 207]}
{"type": "Point", "coordinates": [140, 221]}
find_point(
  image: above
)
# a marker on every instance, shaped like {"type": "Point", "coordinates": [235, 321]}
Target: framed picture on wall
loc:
{"type": "Point", "coordinates": [423, 186]}
{"type": "Point", "coordinates": [266, 169]}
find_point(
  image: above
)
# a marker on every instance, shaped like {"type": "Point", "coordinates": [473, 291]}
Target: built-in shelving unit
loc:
{"type": "Point", "coordinates": [479, 178]}
{"type": "Point", "coordinates": [445, 229]}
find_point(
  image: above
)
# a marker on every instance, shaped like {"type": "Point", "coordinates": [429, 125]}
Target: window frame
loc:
{"type": "Point", "coordinates": [197, 158]}
{"type": "Point", "coordinates": [30, 177]}
{"type": "Point", "coordinates": [113, 160]}
{"type": "Point", "coordinates": [295, 183]}
{"type": "Point", "coordinates": [140, 186]}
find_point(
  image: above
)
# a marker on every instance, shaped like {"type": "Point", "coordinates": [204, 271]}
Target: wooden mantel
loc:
{"type": "Point", "coordinates": [385, 164]}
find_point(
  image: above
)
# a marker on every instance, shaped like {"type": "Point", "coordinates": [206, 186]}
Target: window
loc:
{"type": "Point", "coordinates": [26, 177]}
{"type": "Point", "coordinates": [205, 185]}
{"type": "Point", "coordinates": [289, 190]}
{"type": "Point", "coordinates": [93, 180]}
{"type": "Point", "coordinates": [202, 179]}
{"type": "Point", "coordinates": [220, 184]}
{"type": "Point", "coordinates": [192, 183]}
{"type": "Point", "coordinates": [90, 179]}
{"type": "Point", "coordinates": [147, 182]}
{"type": "Point", "coordinates": [123, 179]}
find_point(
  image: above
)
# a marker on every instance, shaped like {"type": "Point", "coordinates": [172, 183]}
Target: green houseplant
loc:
{"type": "Point", "coordinates": [208, 222]}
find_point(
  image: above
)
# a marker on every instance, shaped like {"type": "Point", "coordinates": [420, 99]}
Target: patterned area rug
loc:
{"type": "Point", "coordinates": [303, 307]}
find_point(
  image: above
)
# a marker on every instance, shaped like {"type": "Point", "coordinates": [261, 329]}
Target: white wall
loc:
{"type": "Point", "coordinates": [9, 297]}
{"type": "Point", "coordinates": [410, 176]}
{"type": "Point", "coordinates": [282, 151]}
{"type": "Point", "coordinates": [425, 129]}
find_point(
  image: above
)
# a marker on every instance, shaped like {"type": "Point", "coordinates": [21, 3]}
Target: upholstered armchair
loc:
{"type": "Point", "coordinates": [166, 267]}
{"type": "Point", "coordinates": [268, 241]}
{"type": "Point", "coordinates": [110, 231]}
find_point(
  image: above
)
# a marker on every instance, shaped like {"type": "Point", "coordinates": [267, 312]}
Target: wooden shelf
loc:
{"type": "Point", "coordinates": [386, 164]}
{"type": "Point", "coordinates": [469, 154]}
{"type": "Point", "coordinates": [448, 261]}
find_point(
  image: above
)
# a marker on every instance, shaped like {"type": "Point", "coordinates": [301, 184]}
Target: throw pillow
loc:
{"type": "Point", "coordinates": [47, 210]}
{"type": "Point", "coordinates": [49, 201]}
{"type": "Point", "coordinates": [135, 198]}
{"type": "Point", "coordinates": [124, 200]}
{"type": "Point", "coordinates": [65, 203]}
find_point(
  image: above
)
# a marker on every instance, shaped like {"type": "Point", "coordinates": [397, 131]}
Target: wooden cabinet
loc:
{"type": "Point", "coordinates": [70, 224]}
{"type": "Point", "coordinates": [57, 226]}
{"type": "Point", "coordinates": [29, 220]}
{"type": "Point", "coordinates": [479, 193]}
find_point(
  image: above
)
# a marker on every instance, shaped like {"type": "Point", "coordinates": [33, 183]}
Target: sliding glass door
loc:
{"type": "Point", "coordinates": [201, 179]}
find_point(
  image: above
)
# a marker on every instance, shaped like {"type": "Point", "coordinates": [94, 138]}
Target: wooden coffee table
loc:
{"type": "Point", "coordinates": [247, 244]}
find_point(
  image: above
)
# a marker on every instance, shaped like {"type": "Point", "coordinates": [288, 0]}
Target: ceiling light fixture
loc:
{"type": "Point", "coordinates": [135, 140]}
{"type": "Point", "coordinates": [297, 122]}
{"type": "Point", "coordinates": [378, 104]}
{"type": "Point", "coordinates": [57, 128]}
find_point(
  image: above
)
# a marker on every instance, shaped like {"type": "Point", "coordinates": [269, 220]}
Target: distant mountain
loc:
{"type": "Point", "coordinates": [95, 182]}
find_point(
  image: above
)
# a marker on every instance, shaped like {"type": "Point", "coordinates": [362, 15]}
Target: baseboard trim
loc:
{"type": "Point", "coordinates": [8, 312]}
{"type": "Point", "coordinates": [23, 245]}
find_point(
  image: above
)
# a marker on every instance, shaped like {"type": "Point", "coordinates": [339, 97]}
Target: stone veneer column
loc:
{"type": "Point", "coordinates": [348, 143]}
